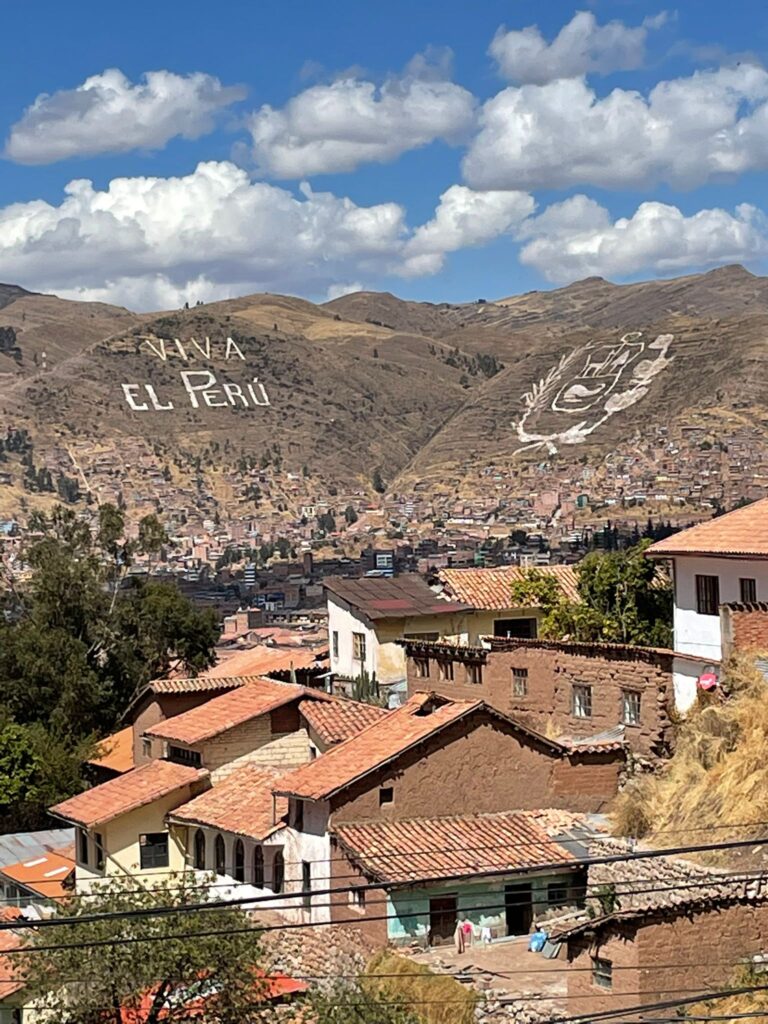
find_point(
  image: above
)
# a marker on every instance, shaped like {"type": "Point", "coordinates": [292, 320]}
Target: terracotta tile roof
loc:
{"type": "Point", "coordinates": [261, 660]}
{"type": "Point", "coordinates": [116, 752]}
{"type": "Point", "coordinates": [743, 532]}
{"type": "Point", "coordinates": [241, 803]}
{"type": "Point", "coordinates": [335, 721]}
{"type": "Point", "coordinates": [257, 697]}
{"type": "Point", "coordinates": [395, 598]}
{"type": "Point", "coordinates": [490, 588]}
{"type": "Point", "coordinates": [420, 849]}
{"type": "Point", "coordinates": [45, 875]}
{"type": "Point", "coordinates": [10, 975]}
{"type": "Point", "coordinates": [127, 792]}
{"type": "Point", "coordinates": [197, 684]}
{"type": "Point", "coordinates": [373, 746]}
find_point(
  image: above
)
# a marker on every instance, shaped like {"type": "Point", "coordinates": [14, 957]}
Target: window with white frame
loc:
{"type": "Point", "coordinates": [358, 646]}
{"type": "Point", "coordinates": [581, 702]}
{"type": "Point", "coordinates": [630, 707]}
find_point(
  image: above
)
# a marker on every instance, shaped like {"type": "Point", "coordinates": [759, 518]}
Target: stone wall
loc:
{"type": "Point", "coordinates": [553, 669]}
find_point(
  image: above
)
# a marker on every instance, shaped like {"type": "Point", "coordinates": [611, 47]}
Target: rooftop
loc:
{"type": "Point", "coordinates": [421, 716]}
{"type": "Point", "coordinates": [739, 534]}
{"type": "Point", "coordinates": [128, 792]}
{"type": "Point", "coordinates": [397, 597]}
{"type": "Point", "coordinates": [339, 720]}
{"type": "Point", "coordinates": [420, 849]}
{"type": "Point", "coordinates": [257, 697]}
{"type": "Point", "coordinates": [116, 752]}
{"type": "Point", "coordinates": [45, 875]}
{"type": "Point", "coordinates": [490, 588]}
{"type": "Point", "coordinates": [241, 803]}
{"type": "Point", "coordinates": [261, 660]}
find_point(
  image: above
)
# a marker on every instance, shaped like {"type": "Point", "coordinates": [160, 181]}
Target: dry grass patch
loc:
{"type": "Point", "coordinates": [436, 998]}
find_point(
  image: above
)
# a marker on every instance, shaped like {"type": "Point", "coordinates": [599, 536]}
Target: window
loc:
{"type": "Point", "coordinates": [630, 707]}
{"type": "Point", "coordinates": [99, 843]}
{"type": "Point", "coordinates": [200, 850]}
{"type": "Point", "coordinates": [422, 667]}
{"type": "Point", "coordinates": [258, 867]}
{"type": "Point", "coordinates": [357, 898]}
{"type": "Point", "coordinates": [278, 872]}
{"type": "Point", "coordinates": [306, 884]}
{"type": "Point", "coordinates": [707, 595]}
{"type": "Point", "coordinates": [582, 702]}
{"type": "Point", "coordinates": [239, 865]}
{"type": "Point", "coordinates": [602, 972]}
{"type": "Point", "coordinates": [386, 796]}
{"type": "Point", "coordinates": [358, 646]}
{"type": "Point", "coordinates": [335, 644]}
{"type": "Point", "coordinates": [82, 846]}
{"type": "Point", "coordinates": [474, 672]}
{"type": "Point", "coordinates": [298, 815]}
{"type": "Point", "coordinates": [748, 591]}
{"type": "Point", "coordinates": [180, 755]}
{"type": "Point", "coordinates": [220, 855]}
{"type": "Point", "coordinates": [519, 682]}
{"type": "Point", "coordinates": [445, 671]}
{"type": "Point", "coordinates": [557, 894]}
{"type": "Point", "coordinates": [153, 850]}
{"type": "Point", "coordinates": [146, 747]}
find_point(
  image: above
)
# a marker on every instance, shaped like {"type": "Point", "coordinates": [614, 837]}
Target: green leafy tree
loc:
{"type": "Point", "coordinates": [623, 599]}
{"type": "Point", "coordinates": [80, 636]}
{"type": "Point", "coordinates": [350, 515]}
{"type": "Point", "coordinates": [378, 481]}
{"type": "Point", "coordinates": [197, 965]}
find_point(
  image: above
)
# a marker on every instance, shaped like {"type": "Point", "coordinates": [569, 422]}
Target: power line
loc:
{"type": "Point", "coordinates": [421, 881]}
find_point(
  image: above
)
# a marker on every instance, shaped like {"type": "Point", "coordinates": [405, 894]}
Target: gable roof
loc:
{"type": "Point", "coordinates": [741, 533]}
{"type": "Point", "coordinates": [420, 849]}
{"type": "Point", "coordinates": [397, 597]}
{"type": "Point", "coordinates": [421, 716]}
{"type": "Point", "coordinates": [335, 721]}
{"type": "Point", "coordinates": [128, 792]}
{"type": "Point", "coordinates": [256, 698]}
{"type": "Point", "coordinates": [489, 589]}
{"type": "Point", "coordinates": [241, 803]}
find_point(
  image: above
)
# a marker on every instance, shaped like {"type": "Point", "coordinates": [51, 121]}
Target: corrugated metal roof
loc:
{"type": "Point", "coordinates": [395, 598]}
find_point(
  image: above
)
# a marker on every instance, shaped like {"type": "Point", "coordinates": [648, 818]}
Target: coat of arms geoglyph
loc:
{"type": "Point", "coordinates": [587, 387]}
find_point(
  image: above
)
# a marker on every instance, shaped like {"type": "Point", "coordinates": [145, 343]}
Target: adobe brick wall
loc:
{"type": "Point", "coordinates": [344, 873]}
{"type": "Point", "coordinates": [481, 765]}
{"type": "Point", "coordinates": [553, 669]}
{"type": "Point", "coordinates": [690, 949]}
{"type": "Point", "coordinates": [744, 628]}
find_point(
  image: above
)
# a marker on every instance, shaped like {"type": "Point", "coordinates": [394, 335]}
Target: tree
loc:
{"type": "Point", "coordinates": [195, 965]}
{"type": "Point", "coordinates": [623, 599]}
{"type": "Point", "coordinates": [378, 482]}
{"type": "Point", "coordinates": [350, 515]}
{"type": "Point", "coordinates": [79, 637]}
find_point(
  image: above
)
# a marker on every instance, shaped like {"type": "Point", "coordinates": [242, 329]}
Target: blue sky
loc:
{"type": "Point", "coordinates": [475, 169]}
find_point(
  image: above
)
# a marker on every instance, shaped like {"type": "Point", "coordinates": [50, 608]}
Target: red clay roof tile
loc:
{"type": "Point", "coordinates": [127, 792]}
{"type": "Point", "coordinates": [372, 746]}
{"type": "Point", "coordinates": [743, 532]}
{"type": "Point", "coordinates": [341, 719]}
{"type": "Point", "coordinates": [241, 803]}
{"type": "Point", "coordinates": [116, 751]}
{"type": "Point", "coordinates": [419, 849]}
{"type": "Point", "coordinates": [489, 589]}
{"type": "Point", "coordinates": [257, 697]}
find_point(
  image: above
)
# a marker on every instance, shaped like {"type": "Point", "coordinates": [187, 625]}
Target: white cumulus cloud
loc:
{"type": "Point", "coordinates": [110, 114]}
{"type": "Point", "coordinates": [340, 126]}
{"type": "Point", "coordinates": [158, 242]}
{"type": "Point", "coordinates": [577, 238]}
{"type": "Point", "coordinates": [464, 218]}
{"type": "Point", "coordinates": [580, 48]}
{"type": "Point", "coordinates": [709, 126]}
